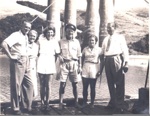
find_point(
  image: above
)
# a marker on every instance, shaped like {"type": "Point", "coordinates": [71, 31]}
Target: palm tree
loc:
{"type": "Point", "coordinates": [106, 10]}
{"type": "Point", "coordinates": [53, 16]}
{"type": "Point", "coordinates": [70, 12]}
{"type": "Point", "coordinates": [91, 20]}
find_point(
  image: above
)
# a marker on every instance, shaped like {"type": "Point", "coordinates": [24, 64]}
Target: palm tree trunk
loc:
{"type": "Point", "coordinates": [91, 20]}
{"type": "Point", "coordinates": [53, 16]}
{"type": "Point", "coordinates": [70, 12]}
{"type": "Point", "coordinates": [106, 10]}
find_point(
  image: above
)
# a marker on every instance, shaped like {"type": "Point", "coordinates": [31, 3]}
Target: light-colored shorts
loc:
{"type": "Point", "coordinates": [69, 70]}
{"type": "Point", "coordinates": [90, 70]}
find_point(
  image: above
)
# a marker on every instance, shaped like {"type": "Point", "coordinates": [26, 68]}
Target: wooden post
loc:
{"type": "Point", "coordinates": [92, 21]}
{"type": "Point", "coordinates": [106, 11]}
{"type": "Point", "coordinates": [53, 16]}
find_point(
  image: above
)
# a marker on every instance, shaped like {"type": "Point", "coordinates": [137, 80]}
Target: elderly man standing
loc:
{"type": "Point", "coordinates": [116, 54]}
{"type": "Point", "coordinates": [70, 58]}
{"type": "Point", "coordinates": [15, 46]}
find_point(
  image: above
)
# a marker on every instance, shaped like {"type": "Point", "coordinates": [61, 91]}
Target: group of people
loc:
{"type": "Point", "coordinates": [32, 55]}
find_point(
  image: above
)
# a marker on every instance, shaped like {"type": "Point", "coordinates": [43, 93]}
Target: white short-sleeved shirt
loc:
{"type": "Point", "coordinates": [70, 49]}
{"type": "Point", "coordinates": [18, 43]}
{"type": "Point", "coordinates": [117, 46]}
{"type": "Point", "coordinates": [46, 60]}
{"type": "Point", "coordinates": [91, 63]}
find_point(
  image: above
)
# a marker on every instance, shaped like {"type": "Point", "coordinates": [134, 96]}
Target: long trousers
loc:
{"type": "Point", "coordinates": [18, 70]}
{"type": "Point", "coordinates": [115, 79]}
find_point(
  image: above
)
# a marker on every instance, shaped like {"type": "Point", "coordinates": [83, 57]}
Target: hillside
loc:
{"type": "Point", "coordinates": [133, 23]}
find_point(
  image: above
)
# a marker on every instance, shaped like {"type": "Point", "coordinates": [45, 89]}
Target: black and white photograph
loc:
{"type": "Point", "coordinates": [74, 57]}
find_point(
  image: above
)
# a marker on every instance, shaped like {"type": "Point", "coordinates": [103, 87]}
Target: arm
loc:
{"type": "Point", "coordinates": [6, 48]}
{"type": "Point", "coordinates": [125, 55]}
{"type": "Point", "coordinates": [102, 63]}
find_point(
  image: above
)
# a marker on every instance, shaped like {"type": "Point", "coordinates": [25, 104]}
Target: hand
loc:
{"type": "Point", "coordinates": [125, 68]}
{"type": "Point", "coordinates": [98, 74]}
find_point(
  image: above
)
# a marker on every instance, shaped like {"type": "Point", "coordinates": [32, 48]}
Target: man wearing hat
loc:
{"type": "Point", "coordinates": [70, 66]}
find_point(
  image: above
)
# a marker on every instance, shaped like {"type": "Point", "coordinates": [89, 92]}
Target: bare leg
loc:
{"type": "Point", "coordinates": [61, 93]}
{"type": "Point", "coordinates": [75, 93]}
{"type": "Point", "coordinates": [85, 82]}
{"type": "Point", "coordinates": [42, 88]}
{"type": "Point", "coordinates": [93, 92]}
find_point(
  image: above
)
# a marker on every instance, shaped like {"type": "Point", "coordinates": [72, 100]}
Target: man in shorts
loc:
{"type": "Point", "coordinates": [70, 58]}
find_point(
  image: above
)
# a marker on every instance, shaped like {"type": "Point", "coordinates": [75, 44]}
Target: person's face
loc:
{"type": "Point", "coordinates": [69, 33]}
{"type": "Point", "coordinates": [110, 29]}
{"type": "Point", "coordinates": [50, 33]}
{"type": "Point", "coordinates": [25, 28]}
{"type": "Point", "coordinates": [92, 42]}
{"type": "Point", "coordinates": [32, 37]}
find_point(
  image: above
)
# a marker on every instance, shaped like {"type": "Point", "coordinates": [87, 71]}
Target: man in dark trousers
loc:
{"type": "Point", "coordinates": [116, 57]}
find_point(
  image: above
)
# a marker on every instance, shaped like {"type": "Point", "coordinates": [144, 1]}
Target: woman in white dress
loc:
{"type": "Point", "coordinates": [48, 49]}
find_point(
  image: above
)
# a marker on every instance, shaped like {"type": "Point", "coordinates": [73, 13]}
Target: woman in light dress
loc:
{"type": "Point", "coordinates": [46, 67]}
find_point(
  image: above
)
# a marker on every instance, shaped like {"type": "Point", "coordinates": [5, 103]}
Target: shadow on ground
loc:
{"type": "Point", "coordinates": [69, 109]}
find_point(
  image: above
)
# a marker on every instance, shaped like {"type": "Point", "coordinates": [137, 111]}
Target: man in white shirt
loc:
{"type": "Point", "coordinates": [116, 55]}
{"type": "Point", "coordinates": [15, 46]}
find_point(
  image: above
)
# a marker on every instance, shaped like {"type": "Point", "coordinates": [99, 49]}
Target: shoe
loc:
{"type": "Point", "coordinates": [91, 105]}
{"type": "Point", "coordinates": [18, 112]}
